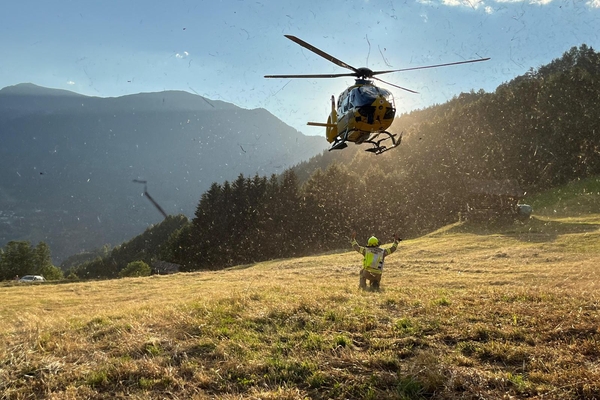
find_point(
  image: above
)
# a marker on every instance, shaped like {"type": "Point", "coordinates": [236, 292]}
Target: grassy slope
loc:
{"type": "Point", "coordinates": [576, 198]}
{"type": "Point", "coordinates": [464, 313]}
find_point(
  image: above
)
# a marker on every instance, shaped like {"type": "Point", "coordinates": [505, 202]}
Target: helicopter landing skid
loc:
{"type": "Point", "coordinates": [340, 142]}
{"type": "Point", "coordinates": [338, 145]}
{"type": "Point", "coordinates": [378, 148]}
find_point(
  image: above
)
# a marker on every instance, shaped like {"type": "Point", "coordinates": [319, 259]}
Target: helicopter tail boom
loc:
{"type": "Point", "coordinates": [331, 130]}
{"type": "Point", "coordinates": [321, 124]}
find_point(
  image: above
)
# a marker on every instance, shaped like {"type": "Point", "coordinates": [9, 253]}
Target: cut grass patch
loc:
{"type": "Point", "coordinates": [461, 314]}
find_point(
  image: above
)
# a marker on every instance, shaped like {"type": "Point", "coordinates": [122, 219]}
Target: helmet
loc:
{"type": "Point", "coordinates": [373, 242]}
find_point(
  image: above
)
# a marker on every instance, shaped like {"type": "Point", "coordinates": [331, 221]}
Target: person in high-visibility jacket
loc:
{"type": "Point", "coordinates": [373, 260]}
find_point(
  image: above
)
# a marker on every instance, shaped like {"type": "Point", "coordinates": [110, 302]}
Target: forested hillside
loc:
{"type": "Point", "coordinates": [540, 129]}
{"type": "Point", "coordinates": [147, 247]}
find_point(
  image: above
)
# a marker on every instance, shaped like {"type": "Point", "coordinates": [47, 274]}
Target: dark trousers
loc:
{"type": "Point", "coordinates": [374, 279]}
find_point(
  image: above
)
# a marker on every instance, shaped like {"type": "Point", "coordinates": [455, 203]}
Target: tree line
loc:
{"type": "Point", "coordinates": [145, 248]}
{"type": "Point", "coordinates": [254, 219]}
{"type": "Point", "coordinates": [259, 218]}
{"type": "Point", "coordinates": [19, 258]}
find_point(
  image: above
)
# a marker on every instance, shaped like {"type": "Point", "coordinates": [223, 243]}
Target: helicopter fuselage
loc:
{"type": "Point", "coordinates": [361, 110]}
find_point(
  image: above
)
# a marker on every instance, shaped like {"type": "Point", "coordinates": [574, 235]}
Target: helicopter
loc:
{"type": "Point", "coordinates": [363, 111]}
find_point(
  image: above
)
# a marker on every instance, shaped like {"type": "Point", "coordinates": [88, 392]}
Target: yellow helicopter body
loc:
{"type": "Point", "coordinates": [363, 112]}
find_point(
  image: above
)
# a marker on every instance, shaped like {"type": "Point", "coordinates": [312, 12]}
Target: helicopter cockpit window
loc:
{"type": "Point", "coordinates": [346, 103]}
{"type": "Point", "coordinates": [388, 95]}
{"type": "Point", "coordinates": [366, 95]}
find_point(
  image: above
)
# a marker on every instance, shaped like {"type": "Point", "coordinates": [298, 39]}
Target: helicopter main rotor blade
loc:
{"type": "Point", "coordinates": [430, 66]}
{"type": "Point", "coordinates": [396, 86]}
{"type": "Point", "coordinates": [310, 76]}
{"type": "Point", "coordinates": [326, 56]}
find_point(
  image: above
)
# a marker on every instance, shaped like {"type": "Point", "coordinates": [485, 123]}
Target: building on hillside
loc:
{"type": "Point", "coordinates": [164, 268]}
{"type": "Point", "coordinates": [493, 199]}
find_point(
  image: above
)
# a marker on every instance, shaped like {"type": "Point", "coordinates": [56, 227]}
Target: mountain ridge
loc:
{"type": "Point", "coordinates": [68, 161]}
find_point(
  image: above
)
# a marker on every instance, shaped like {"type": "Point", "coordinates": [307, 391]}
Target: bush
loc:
{"type": "Point", "coordinates": [72, 276]}
{"type": "Point", "coordinates": [51, 273]}
{"type": "Point", "coordinates": [135, 268]}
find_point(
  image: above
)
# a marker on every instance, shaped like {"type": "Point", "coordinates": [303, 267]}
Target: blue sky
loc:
{"type": "Point", "coordinates": [222, 49]}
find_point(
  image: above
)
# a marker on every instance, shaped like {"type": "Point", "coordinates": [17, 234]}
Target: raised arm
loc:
{"type": "Point", "coordinates": [394, 246]}
{"type": "Point", "coordinates": [354, 243]}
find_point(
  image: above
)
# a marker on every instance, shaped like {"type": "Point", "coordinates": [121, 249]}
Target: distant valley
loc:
{"type": "Point", "coordinates": [68, 161]}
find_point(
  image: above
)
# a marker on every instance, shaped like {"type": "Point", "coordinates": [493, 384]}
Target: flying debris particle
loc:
{"type": "Point", "coordinates": [369, 53]}
{"type": "Point", "coordinates": [158, 207]}
{"type": "Point", "coordinates": [279, 90]}
{"type": "Point", "coordinates": [382, 56]}
{"type": "Point", "coordinates": [203, 98]}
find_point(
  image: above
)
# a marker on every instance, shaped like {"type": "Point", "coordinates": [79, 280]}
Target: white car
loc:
{"type": "Point", "coordinates": [32, 278]}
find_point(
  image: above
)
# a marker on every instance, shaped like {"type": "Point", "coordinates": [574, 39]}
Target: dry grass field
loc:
{"type": "Point", "coordinates": [464, 313]}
